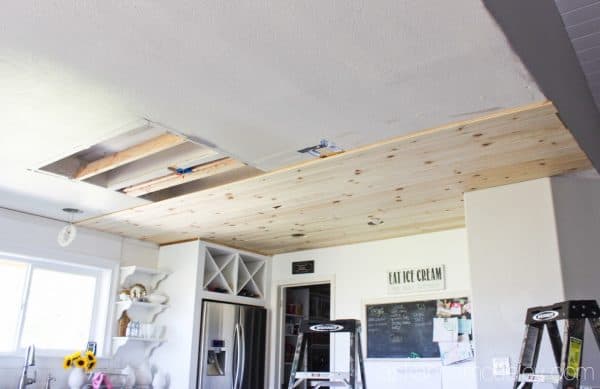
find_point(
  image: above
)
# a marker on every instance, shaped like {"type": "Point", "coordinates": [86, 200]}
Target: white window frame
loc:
{"type": "Point", "coordinates": [102, 270]}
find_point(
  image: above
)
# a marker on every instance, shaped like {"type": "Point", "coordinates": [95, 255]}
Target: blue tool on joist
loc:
{"type": "Point", "coordinates": [182, 171]}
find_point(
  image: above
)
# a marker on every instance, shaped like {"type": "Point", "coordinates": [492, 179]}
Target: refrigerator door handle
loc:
{"type": "Point", "coordinates": [236, 347]}
{"type": "Point", "coordinates": [238, 358]}
{"type": "Point", "coordinates": [243, 354]}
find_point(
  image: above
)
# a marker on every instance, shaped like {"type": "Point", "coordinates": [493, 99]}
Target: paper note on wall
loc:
{"type": "Point", "coordinates": [456, 308]}
{"type": "Point", "coordinates": [465, 326]}
{"type": "Point", "coordinates": [452, 353]}
{"type": "Point", "coordinates": [445, 329]}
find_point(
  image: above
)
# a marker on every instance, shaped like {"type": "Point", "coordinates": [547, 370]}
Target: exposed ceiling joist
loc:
{"type": "Point", "coordinates": [408, 185]}
{"type": "Point", "coordinates": [196, 173]}
{"type": "Point", "coordinates": [158, 165]}
{"type": "Point", "coordinates": [131, 154]}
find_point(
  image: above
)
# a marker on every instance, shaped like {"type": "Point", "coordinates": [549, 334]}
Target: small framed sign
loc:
{"type": "Point", "coordinates": [303, 267]}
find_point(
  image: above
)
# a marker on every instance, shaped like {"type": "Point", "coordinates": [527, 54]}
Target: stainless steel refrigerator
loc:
{"type": "Point", "coordinates": [233, 346]}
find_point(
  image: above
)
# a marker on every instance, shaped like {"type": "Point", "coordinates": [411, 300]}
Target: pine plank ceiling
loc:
{"type": "Point", "coordinates": [406, 185]}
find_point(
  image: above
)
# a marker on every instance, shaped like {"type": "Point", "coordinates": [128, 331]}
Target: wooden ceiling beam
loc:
{"type": "Point", "coordinates": [131, 154]}
{"type": "Point", "coordinates": [199, 172]}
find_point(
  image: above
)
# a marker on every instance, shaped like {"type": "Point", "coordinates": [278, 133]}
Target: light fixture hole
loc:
{"type": "Point", "coordinates": [72, 210]}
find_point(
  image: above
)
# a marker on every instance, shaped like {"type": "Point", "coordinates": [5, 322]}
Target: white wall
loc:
{"type": "Point", "coordinates": [359, 275]}
{"type": "Point", "coordinates": [577, 210]}
{"type": "Point", "coordinates": [178, 356]}
{"type": "Point", "coordinates": [515, 265]}
{"type": "Point", "coordinates": [34, 236]}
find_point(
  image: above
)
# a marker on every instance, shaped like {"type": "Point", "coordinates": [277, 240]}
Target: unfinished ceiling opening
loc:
{"type": "Point", "coordinates": [150, 162]}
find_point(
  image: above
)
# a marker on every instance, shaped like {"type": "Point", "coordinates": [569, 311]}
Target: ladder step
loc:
{"type": "Point", "coordinates": [329, 384]}
{"type": "Point", "coordinates": [322, 375]}
{"type": "Point", "coordinates": [547, 378]}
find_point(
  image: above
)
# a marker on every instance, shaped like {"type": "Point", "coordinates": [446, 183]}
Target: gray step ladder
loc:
{"type": "Point", "coordinates": [567, 350]}
{"type": "Point", "coordinates": [320, 379]}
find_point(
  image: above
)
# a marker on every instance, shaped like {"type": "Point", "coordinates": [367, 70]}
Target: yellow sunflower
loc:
{"type": "Point", "coordinates": [90, 360]}
{"type": "Point", "coordinates": [67, 362]}
{"type": "Point", "coordinates": [75, 355]}
{"type": "Point", "coordinates": [79, 362]}
{"type": "Point", "coordinates": [90, 366]}
{"type": "Point", "coordinates": [90, 356]}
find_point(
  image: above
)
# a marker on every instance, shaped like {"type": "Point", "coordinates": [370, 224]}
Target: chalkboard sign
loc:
{"type": "Point", "coordinates": [401, 330]}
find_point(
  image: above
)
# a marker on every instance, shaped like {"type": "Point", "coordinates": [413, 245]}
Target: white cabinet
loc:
{"type": "Point", "coordinates": [232, 272]}
{"type": "Point", "coordinates": [201, 271]}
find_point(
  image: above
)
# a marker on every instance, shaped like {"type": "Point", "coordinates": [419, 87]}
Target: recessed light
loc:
{"type": "Point", "coordinates": [72, 211]}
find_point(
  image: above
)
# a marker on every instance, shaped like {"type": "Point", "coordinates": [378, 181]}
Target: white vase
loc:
{"type": "Point", "coordinates": [76, 378]}
{"type": "Point", "coordinates": [129, 376]}
{"type": "Point", "coordinates": [143, 374]}
{"type": "Point", "coordinates": [160, 380]}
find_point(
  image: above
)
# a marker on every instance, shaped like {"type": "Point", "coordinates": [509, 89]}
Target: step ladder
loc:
{"type": "Point", "coordinates": [567, 350]}
{"type": "Point", "coordinates": [319, 379]}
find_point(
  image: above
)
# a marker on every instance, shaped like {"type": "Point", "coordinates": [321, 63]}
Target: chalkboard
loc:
{"type": "Point", "coordinates": [401, 330]}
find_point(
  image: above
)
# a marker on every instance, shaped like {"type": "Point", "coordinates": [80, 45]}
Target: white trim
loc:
{"type": "Point", "coordinates": [23, 308]}
{"type": "Point", "coordinates": [49, 255]}
{"type": "Point", "coordinates": [277, 290]}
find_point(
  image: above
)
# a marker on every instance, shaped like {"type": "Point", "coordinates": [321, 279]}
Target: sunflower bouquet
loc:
{"type": "Point", "coordinates": [85, 361]}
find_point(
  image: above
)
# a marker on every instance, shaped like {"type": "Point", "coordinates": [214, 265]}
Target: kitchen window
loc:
{"type": "Point", "coordinates": [51, 304]}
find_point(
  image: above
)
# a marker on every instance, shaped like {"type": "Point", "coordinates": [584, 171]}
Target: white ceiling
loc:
{"type": "Point", "coordinates": [257, 79]}
{"type": "Point", "coordinates": [582, 21]}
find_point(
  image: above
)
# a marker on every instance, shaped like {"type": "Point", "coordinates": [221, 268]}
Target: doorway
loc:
{"type": "Point", "coordinates": [307, 302]}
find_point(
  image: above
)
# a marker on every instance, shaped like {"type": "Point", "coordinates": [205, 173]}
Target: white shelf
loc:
{"type": "Point", "coordinates": [150, 344]}
{"type": "Point", "coordinates": [125, 339]}
{"type": "Point", "coordinates": [140, 311]}
{"type": "Point", "coordinates": [144, 312]}
{"type": "Point", "coordinates": [150, 278]}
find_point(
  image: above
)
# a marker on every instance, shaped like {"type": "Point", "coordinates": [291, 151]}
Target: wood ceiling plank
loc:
{"type": "Point", "coordinates": [131, 154]}
{"type": "Point", "coordinates": [244, 203]}
{"type": "Point", "coordinates": [405, 212]}
{"type": "Point", "coordinates": [413, 183]}
{"type": "Point", "coordinates": [390, 211]}
{"type": "Point", "coordinates": [241, 208]}
{"type": "Point", "coordinates": [410, 146]}
{"type": "Point", "coordinates": [418, 170]}
{"type": "Point", "coordinates": [199, 172]}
